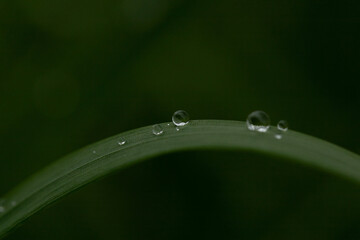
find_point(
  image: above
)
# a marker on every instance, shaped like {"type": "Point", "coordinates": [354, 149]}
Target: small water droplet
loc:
{"type": "Point", "coordinates": [121, 141]}
{"type": "Point", "coordinates": [180, 118]}
{"type": "Point", "coordinates": [258, 121]}
{"type": "Point", "coordinates": [94, 152]}
{"type": "Point", "coordinates": [278, 136]}
{"type": "Point", "coordinates": [177, 129]}
{"type": "Point", "coordinates": [157, 130]}
{"type": "Point", "coordinates": [283, 125]}
{"type": "Point", "coordinates": [168, 124]}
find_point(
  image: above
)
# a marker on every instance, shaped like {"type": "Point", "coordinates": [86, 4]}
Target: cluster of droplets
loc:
{"type": "Point", "coordinates": [259, 121]}
{"type": "Point", "coordinates": [180, 119]}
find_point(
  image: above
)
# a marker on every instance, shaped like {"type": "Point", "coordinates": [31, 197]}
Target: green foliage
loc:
{"type": "Point", "coordinates": [104, 157]}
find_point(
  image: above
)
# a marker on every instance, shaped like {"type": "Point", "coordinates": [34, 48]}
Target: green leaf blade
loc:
{"type": "Point", "coordinates": [107, 156]}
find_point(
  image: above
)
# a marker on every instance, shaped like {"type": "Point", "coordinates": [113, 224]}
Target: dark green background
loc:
{"type": "Point", "coordinates": [75, 72]}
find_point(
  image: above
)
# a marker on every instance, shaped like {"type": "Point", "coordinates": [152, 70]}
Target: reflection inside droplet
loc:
{"type": "Point", "coordinates": [157, 130]}
{"type": "Point", "coordinates": [258, 121]}
{"type": "Point", "coordinates": [121, 141]}
{"type": "Point", "coordinates": [180, 118]}
{"type": "Point", "coordinates": [283, 125]}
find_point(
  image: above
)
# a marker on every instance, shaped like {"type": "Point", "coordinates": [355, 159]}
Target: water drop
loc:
{"type": "Point", "coordinates": [283, 125]}
{"type": "Point", "coordinates": [180, 118]}
{"type": "Point", "coordinates": [177, 129]}
{"type": "Point", "coordinates": [168, 124]}
{"type": "Point", "coordinates": [94, 152]}
{"type": "Point", "coordinates": [121, 141]}
{"type": "Point", "coordinates": [157, 130]}
{"type": "Point", "coordinates": [258, 121]}
{"type": "Point", "coordinates": [278, 136]}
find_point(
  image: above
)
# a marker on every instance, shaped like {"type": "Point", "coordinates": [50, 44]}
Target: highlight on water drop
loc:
{"type": "Point", "coordinates": [157, 130]}
{"type": "Point", "coordinates": [121, 141]}
{"type": "Point", "coordinates": [180, 118]}
{"type": "Point", "coordinates": [258, 121]}
{"type": "Point", "coordinates": [278, 136]}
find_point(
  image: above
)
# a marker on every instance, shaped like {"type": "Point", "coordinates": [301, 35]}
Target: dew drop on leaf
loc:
{"type": "Point", "coordinates": [258, 121]}
{"type": "Point", "coordinates": [180, 118]}
{"type": "Point", "coordinates": [121, 141]}
{"type": "Point", "coordinates": [157, 130]}
{"type": "Point", "coordinates": [283, 125]}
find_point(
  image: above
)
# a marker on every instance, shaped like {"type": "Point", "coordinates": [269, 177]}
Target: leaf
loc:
{"type": "Point", "coordinates": [97, 160]}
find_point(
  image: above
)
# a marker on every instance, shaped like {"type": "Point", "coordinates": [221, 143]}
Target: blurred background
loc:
{"type": "Point", "coordinates": [75, 72]}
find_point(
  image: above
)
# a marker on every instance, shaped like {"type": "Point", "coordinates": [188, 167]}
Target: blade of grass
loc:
{"type": "Point", "coordinates": [106, 156]}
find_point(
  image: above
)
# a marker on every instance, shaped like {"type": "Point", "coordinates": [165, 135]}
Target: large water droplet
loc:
{"type": "Point", "coordinates": [121, 141]}
{"type": "Point", "coordinates": [157, 130]}
{"type": "Point", "coordinates": [258, 121]}
{"type": "Point", "coordinates": [180, 118]}
{"type": "Point", "coordinates": [283, 125]}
